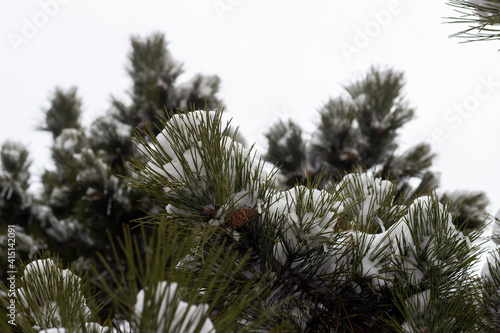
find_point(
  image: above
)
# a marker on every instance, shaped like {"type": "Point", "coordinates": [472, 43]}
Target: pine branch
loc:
{"type": "Point", "coordinates": [286, 148]}
{"type": "Point", "coordinates": [64, 112]}
{"type": "Point", "coordinates": [480, 16]}
{"type": "Point", "coordinates": [469, 209]}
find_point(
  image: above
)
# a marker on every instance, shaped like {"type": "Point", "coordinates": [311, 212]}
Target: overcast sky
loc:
{"type": "Point", "coordinates": [276, 59]}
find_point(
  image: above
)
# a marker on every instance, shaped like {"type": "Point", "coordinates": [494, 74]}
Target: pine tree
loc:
{"type": "Point", "coordinates": [84, 195]}
{"type": "Point", "coordinates": [154, 73]}
{"type": "Point", "coordinates": [482, 18]}
{"type": "Point", "coordinates": [218, 243]}
{"type": "Point", "coordinates": [84, 198]}
{"type": "Point", "coordinates": [354, 256]}
{"type": "Point", "coordinates": [232, 245]}
{"type": "Point", "coordinates": [16, 203]}
{"type": "Point", "coordinates": [358, 131]}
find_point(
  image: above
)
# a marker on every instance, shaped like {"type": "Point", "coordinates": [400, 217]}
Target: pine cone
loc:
{"type": "Point", "coordinates": [242, 216]}
{"type": "Point", "coordinates": [210, 212]}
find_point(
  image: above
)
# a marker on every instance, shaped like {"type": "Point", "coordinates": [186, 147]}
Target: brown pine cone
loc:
{"type": "Point", "coordinates": [242, 216]}
{"type": "Point", "coordinates": [210, 212]}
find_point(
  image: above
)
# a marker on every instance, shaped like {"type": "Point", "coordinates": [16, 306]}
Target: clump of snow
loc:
{"type": "Point", "coordinates": [485, 7]}
{"type": "Point", "coordinates": [407, 329]}
{"type": "Point", "coordinates": [419, 302]}
{"type": "Point", "coordinates": [491, 288]}
{"type": "Point", "coordinates": [69, 141]}
{"type": "Point", "coordinates": [89, 328]}
{"type": "Point", "coordinates": [201, 86]}
{"type": "Point", "coordinates": [308, 215]}
{"type": "Point", "coordinates": [360, 99]}
{"type": "Point", "coordinates": [175, 169]}
{"type": "Point", "coordinates": [349, 154]}
{"type": "Point", "coordinates": [421, 217]}
{"type": "Point", "coordinates": [308, 221]}
{"type": "Point", "coordinates": [58, 196]}
{"type": "Point", "coordinates": [61, 230]}
{"type": "Point", "coordinates": [365, 194]}
{"type": "Point", "coordinates": [495, 232]}
{"type": "Point", "coordinates": [180, 168]}
{"type": "Point", "coordinates": [191, 169]}
{"type": "Point", "coordinates": [378, 251]}
{"type": "Point", "coordinates": [106, 124]}
{"type": "Point", "coordinates": [492, 260]}
{"type": "Point", "coordinates": [412, 243]}
{"type": "Point", "coordinates": [95, 328]}
{"type": "Point", "coordinates": [53, 291]}
{"type": "Point", "coordinates": [122, 325]}
{"type": "Point", "coordinates": [183, 123]}
{"type": "Point", "coordinates": [172, 314]}
{"type": "Point", "coordinates": [7, 191]}
{"type": "Point", "coordinates": [98, 171]}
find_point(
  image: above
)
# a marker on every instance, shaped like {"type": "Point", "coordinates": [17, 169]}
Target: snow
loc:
{"type": "Point", "coordinates": [41, 279]}
{"type": "Point", "coordinates": [280, 253]}
{"type": "Point", "coordinates": [495, 233]}
{"type": "Point", "coordinates": [308, 218]}
{"type": "Point", "coordinates": [11, 154]}
{"type": "Point", "coordinates": [122, 129]}
{"type": "Point", "coordinates": [60, 230]}
{"type": "Point", "coordinates": [282, 142]}
{"type": "Point", "coordinates": [58, 196]}
{"type": "Point", "coordinates": [189, 168]}
{"type": "Point", "coordinates": [109, 206]}
{"type": "Point", "coordinates": [161, 83]}
{"type": "Point", "coordinates": [122, 325]}
{"type": "Point", "coordinates": [68, 141]}
{"type": "Point", "coordinates": [186, 317]}
{"type": "Point", "coordinates": [102, 127]}
{"type": "Point", "coordinates": [419, 301]}
{"type": "Point", "coordinates": [7, 191]}
{"type": "Point", "coordinates": [200, 84]}
{"type": "Point", "coordinates": [95, 328]}
{"type": "Point", "coordinates": [307, 224]}
{"type": "Point", "coordinates": [98, 172]}
{"type": "Point", "coordinates": [38, 267]}
{"type": "Point", "coordinates": [54, 330]}
{"type": "Point", "coordinates": [485, 7]}
{"type": "Point", "coordinates": [365, 193]}
{"type": "Point", "coordinates": [491, 259]}
{"type": "Point", "coordinates": [371, 244]}
{"type": "Point", "coordinates": [369, 267]}
{"type": "Point", "coordinates": [244, 198]}
{"type": "Point", "coordinates": [120, 191]}
{"type": "Point", "coordinates": [191, 159]}
{"type": "Point", "coordinates": [89, 327]}
{"type": "Point", "coordinates": [182, 133]}
{"type": "Point", "coordinates": [411, 242]}
{"type": "Point", "coordinates": [205, 88]}
{"type": "Point", "coordinates": [349, 154]}
{"type": "Point", "coordinates": [485, 271]}
{"type": "Point", "coordinates": [360, 99]}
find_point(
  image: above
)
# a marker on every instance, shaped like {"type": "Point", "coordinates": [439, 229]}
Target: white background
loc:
{"type": "Point", "coordinates": [276, 59]}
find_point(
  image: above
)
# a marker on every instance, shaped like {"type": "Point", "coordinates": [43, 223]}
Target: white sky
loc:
{"type": "Point", "coordinates": [276, 59]}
